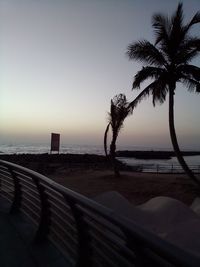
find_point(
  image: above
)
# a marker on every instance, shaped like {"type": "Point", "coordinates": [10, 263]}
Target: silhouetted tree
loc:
{"type": "Point", "coordinates": [168, 62]}
{"type": "Point", "coordinates": [119, 110]}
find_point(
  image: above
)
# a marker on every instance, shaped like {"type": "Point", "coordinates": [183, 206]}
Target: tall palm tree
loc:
{"type": "Point", "coordinates": [119, 110]}
{"type": "Point", "coordinates": [167, 62]}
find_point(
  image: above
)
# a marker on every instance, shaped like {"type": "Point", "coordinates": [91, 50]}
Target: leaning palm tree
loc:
{"type": "Point", "coordinates": [119, 110]}
{"type": "Point", "coordinates": [167, 62]}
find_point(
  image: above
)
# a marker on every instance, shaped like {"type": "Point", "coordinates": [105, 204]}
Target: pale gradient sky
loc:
{"type": "Point", "coordinates": [62, 61]}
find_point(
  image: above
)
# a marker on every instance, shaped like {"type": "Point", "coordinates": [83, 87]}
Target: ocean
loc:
{"type": "Point", "coordinates": [38, 148]}
{"type": "Point", "coordinates": [163, 165]}
{"type": "Point", "coordinates": [145, 165]}
{"type": "Point", "coordinates": [45, 148]}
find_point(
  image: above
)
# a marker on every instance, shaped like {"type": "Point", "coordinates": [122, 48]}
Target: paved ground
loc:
{"type": "Point", "coordinates": [17, 248]}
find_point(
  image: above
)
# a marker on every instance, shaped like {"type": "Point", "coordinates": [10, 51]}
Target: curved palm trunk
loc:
{"type": "Point", "coordinates": [174, 138]}
{"type": "Point", "coordinates": [113, 154]}
{"type": "Point", "coordinates": [105, 139]}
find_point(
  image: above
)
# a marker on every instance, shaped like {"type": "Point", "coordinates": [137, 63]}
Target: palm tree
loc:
{"type": "Point", "coordinates": [166, 63]}
{"type": "Point", "coordinates": [119, 110]}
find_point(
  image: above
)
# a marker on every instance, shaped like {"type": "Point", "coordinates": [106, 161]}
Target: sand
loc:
{"type": "Point", "coordinates": [91, 175]}
{"type": "Point", "coordinates": [136, 187]}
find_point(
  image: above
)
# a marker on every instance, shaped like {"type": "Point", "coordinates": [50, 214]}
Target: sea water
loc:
{"type": "Point", "coordinates": [45, 148]}
{"type": "Point", "coordinates": [38, 148]}
{"type": "Point", "coordinates": [162, 165]}
{"type": "Point", "coordinates": [147, 165]}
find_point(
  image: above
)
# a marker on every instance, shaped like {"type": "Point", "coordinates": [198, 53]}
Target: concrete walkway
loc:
{"type": "Point", "coordinates": [16, 244]}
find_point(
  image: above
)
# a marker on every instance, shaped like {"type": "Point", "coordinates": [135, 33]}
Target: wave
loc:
{"type": "Point", "coordinates": [45, 148]}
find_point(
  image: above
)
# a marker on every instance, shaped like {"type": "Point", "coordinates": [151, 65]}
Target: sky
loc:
{"type": "Point", "coordinates": [61, 61]}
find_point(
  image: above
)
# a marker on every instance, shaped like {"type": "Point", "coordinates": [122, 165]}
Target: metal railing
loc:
{"type": "Point", "coordinates": [87, 233]}
{"type": "Point", "coordinates": [164, 168]}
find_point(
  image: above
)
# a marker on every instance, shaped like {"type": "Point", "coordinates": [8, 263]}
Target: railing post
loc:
{"type": "Point", "coordinates": [44, 224]}
{"type": "Point", "coordinates": [17, 193]}
{"type": "Point", "coordinates": [84, 248]}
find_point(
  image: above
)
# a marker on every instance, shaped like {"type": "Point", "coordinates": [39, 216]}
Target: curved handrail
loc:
{"type": "Point", "coordinates": [92, 223]}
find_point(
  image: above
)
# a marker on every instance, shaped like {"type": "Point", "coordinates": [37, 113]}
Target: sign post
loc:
{"type": "Point", "coordinates": [55, 142]}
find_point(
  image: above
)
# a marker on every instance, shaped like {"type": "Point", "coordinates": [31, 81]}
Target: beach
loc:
{"type": "Point", "coordinates": [92, 175]}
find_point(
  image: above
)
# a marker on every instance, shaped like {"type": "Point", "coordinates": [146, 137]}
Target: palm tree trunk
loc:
{"type": "Point", "coordinates": [105, 139]}
{"type": "Point", "coordinates": [113, 155]}
{"type": "Point", "coordinates": [174, 138]}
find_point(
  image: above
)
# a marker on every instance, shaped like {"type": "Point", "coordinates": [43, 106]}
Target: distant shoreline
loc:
{"type": "Point", "coordinates": [153, 154]}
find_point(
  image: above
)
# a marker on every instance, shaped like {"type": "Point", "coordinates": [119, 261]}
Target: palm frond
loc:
{"type": "Point", "coordinates": [188, 50]}
{"type": "Point", "coordinates": [194, 20]}
{"type": "Point", "coordinates": [119, 110]}
{"type": "Point", "coordinates": [145, 73]}
{"type": "Point", "coordinates": [177, 33]}
{"type": "Point", "coordinates": [191, 84]}
{"type": "Point", "coordinates": [144, 51]}
{"type": "Point", "coordinates": [188, 57]}
{"type": "Point", "coordinates": [157, 88]}
{"type": "Point", "coordinates": [190, 71]}
{"type": "Point", "coordinates": [190, 43]}
{"type": "Point", "coordinates": [160, 24]}
{"type": "Point", "coordinates": [159, 92]}
{"type": "Point", "coordinates": [144, 94]}
{"type": "Point", "coordinates": [177, 21]}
